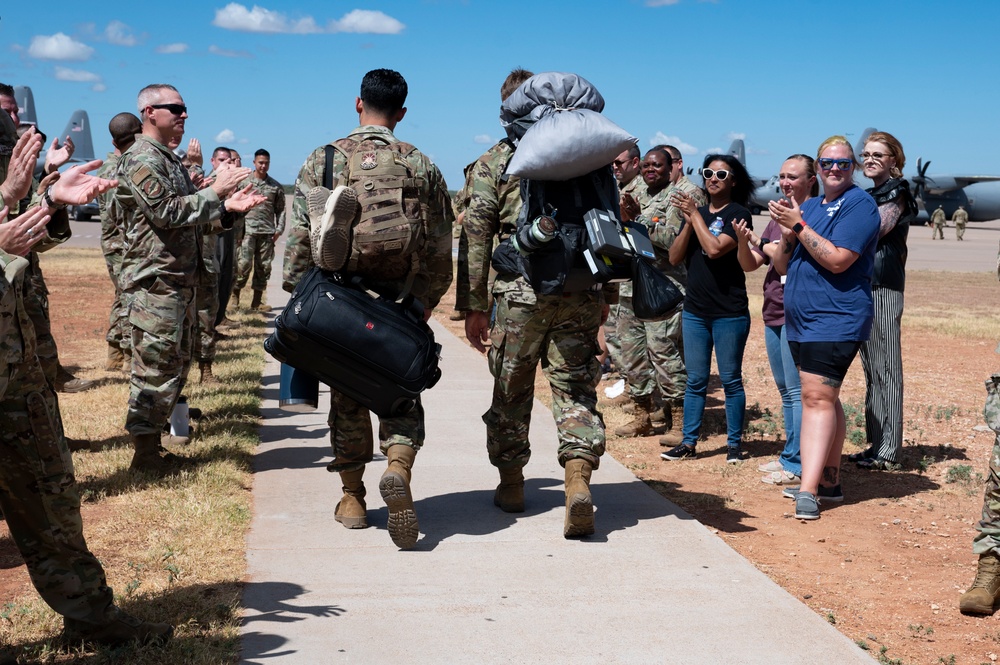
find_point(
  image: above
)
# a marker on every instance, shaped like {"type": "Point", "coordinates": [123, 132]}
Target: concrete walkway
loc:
{"type": "Point", "coordinates": [482, 586]}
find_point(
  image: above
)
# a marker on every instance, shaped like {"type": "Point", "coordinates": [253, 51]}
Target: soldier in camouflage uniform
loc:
{"type": "Point", "coordinates": [262, 228]}
{"type": "Point", "coordinates": [459, 204]}
{"type": "Point", "coordinates": [380, 108]}
{"type": "Point", "coordinates": [38, 492]}
{"type": "Point", "coordinates": [652, 350]}
{"type": "Point", "coordinates": [937, 222]}
{"type": "Point", "coordinates": [985, 590]}
{"type": "Point", "coordinates": [123, 128]}
{"type": "Point", "coordinates": [36, 294]}
{"type": "Point", "coordinates": [961, 219]}
{"type": "Point", "coordinates": [630, 183]}
{"type": "Point", "coordinates": [558, 331]}
{"type": "Point", "coordinates": [166, 218]}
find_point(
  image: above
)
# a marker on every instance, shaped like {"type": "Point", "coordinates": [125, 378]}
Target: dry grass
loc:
{"type": "Point", "coordinates": [173, 549]}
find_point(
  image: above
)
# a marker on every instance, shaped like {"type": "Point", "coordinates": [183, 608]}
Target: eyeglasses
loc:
{"type": "Point", "coordinates": [176, 109]}
{"type": "Point", "coordinates": [827, 164]}
{"type": "Point", "coordinates": [720, 175]}
{"type": "Point", "coordinates": [877, 156]}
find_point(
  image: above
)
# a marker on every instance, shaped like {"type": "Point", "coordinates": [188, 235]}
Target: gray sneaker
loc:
{"type": "Point", "coordinates": [806, 506]}
{"type": "Point", "coordinates": [331, 216]}
{"type": "Point", "coordinates": [828, 494]}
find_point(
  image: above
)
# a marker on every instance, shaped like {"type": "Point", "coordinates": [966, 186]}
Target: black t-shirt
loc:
{"type": "Point", "coordinates": [717, 288]}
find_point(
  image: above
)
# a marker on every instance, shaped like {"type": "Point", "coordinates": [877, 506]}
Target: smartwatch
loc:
{"type": "Point", "coordinates": [797, 229]}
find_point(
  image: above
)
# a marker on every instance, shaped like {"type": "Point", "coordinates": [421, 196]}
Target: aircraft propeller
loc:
{"type": "Point", "coordinates": [920, 180]}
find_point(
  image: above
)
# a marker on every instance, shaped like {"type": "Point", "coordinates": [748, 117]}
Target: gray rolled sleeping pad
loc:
{"type": "Point", "coordinates": [554, 119]}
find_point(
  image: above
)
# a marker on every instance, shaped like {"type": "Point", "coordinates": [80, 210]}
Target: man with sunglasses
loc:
{"type": "Point", "coordinates": [166, 217]}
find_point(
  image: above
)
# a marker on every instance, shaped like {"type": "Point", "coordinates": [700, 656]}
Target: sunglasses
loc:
{"type": "Point", "coordinates": [720, 175]}
{"type": "Point", "coordinates": [176, 109]}
{"type": "Point", "coordinates": [877, 156]}
{"type": "Point", "coordinates": [827, 164]}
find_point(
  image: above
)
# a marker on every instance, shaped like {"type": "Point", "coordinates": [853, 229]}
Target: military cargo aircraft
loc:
{"type": "Point", "coordinates": [78, 127]}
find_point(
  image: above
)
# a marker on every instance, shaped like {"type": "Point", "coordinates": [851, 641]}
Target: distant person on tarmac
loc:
{"type": "Point", "coordinates": [961, 219]}
{"type": "Point", "coordinates": [937, 221]}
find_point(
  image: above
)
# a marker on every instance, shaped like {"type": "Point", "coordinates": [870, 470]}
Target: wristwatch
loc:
{"type": "Point", "coordinates": [797, 229]}
{"type": "Point", "coordinates": [49, 203]}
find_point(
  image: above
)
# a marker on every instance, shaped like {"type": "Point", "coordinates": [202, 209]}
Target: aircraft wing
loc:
{"type": "Point", "coordinates": [965, 180]}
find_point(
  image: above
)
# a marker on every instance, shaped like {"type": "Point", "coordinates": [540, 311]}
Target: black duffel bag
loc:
{"type": "Point", "coordinates": [373, 349]}
{"type": "Point", "coordinates": [653, 293]}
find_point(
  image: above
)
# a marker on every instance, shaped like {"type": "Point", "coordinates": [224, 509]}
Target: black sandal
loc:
{"type": "Point", "coordinates": [866, 454]}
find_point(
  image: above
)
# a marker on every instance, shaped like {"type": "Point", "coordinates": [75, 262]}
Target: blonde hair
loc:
{"type": "Point", "coordinates": [895, 148]}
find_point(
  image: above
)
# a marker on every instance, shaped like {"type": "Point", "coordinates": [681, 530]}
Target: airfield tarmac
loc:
{"type": "Point", "coordinates": [977, 253]}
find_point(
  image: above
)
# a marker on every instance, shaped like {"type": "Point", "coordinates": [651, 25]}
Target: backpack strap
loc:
{"type": "Point", "coordinates": [328, 169]}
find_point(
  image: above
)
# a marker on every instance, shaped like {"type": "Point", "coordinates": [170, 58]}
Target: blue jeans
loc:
{"type": "Point", "coordinates": [729, 338]}
{"type": "Point", "coordinates": [786, 377]}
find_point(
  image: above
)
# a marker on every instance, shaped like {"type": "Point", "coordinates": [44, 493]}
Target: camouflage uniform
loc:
{"type": "Point", "coordinates": [636, 187]}
{"type": "Point", "coordinates": [460, 204]}
{"type": "Point", "coordinates": [961, 219]}
{"type": "Point", "coordinates": [558, 331]}
{"type": "Point", "coordinates": [350, 422]}
{"type": "Point", "coordinates": [166, 218]}
{"type": "Point", "coordinates": [113, 246]}
{"type": "Point", "coordinates": [988, 538]}
{"type": "Point", "coordinates": [652, 353]}
{"type": "Point", "coordinates": [261, 224]}
{"type": "Point", "coordinates": [937, 221]}
{"type": "Point", "coordinates": [207, 301]}
{"type": "Point", "coordinates": [38, 492]}
{"type": "Point", "coordinates": [36, 293]}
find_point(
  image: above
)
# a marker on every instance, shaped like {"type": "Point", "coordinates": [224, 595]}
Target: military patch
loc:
{"type": "Point", "coordinates": [369, 160]}
{"type": "Point", "coordinates": [152, 188]}
{"type": "Point", "coordinates": [141, 174]}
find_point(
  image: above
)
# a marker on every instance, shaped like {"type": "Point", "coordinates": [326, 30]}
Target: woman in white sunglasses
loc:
{"type": "Point", "coordinates": [716, 311]}
{"type": "Point", "coordinates": [827, 250]}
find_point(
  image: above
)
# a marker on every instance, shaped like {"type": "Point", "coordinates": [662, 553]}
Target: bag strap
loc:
{"type": "Point", "coordinates": [328, 169]}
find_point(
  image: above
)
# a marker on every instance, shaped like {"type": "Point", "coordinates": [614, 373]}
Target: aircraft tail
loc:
{"type": "Point", "coordinates": [25, 105]}
{"type": "Point", "coordinates": [860, 146]}
{"type": "Point", "coordinates": [78, 129]}
{"type": "Point", "coordinates": [738, 150]}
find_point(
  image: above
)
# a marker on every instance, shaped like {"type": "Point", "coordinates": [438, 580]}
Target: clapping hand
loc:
{"type": "Point", "coordinates": [785, 212]}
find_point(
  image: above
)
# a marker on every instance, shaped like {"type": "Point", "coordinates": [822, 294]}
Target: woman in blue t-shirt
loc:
{"type": "Point", "coordinates": [828, 251]}
{"type": "Point", "coordinates": [716, 313]}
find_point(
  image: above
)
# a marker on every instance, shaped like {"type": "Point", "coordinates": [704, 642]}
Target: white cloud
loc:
{"type": "Point", "coordinates": [172, 48]}
{"type": "Point", "coordinates": [225, 136]}
{"type": "Point", "coordinates": [484, 139]}
{"type": "Point", "coordinates": [243, 141]}
{"type": "Point", "coordinates": [715, 151]}
{"type": "Point", "coordinates": [119, 34]}
{"type": "Point", "coordinates": [77, 75]}
{"type": "Point", "coordinates": [367, 21]}
{"type": "Point", "coordinates": [235, 16]}
{"type": "Point", "coordinates": [733, 136]}
{"type": "Point", "coordinates": [226, 53]}
{"type": "Point", "coordinates": [661, 3]}
{"type": "Point", "coordinates": [98, 87]}
{"type": "Point", "coordinates": [58, 47]}
{"type": "Point", "coordinates": [685, 148]}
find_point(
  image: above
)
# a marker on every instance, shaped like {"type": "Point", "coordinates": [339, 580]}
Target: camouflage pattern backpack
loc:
{"type": "Point", "coordinates": [389, 230]}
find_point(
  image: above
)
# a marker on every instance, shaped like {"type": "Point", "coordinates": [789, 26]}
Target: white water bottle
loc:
{"type": "Point", "coordinates": [180, 423]}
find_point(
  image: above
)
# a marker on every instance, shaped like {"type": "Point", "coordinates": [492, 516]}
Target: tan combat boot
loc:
{"type": "Point", "coordinates": [115, 359]}
{"type": "Point", "coordinates": [983, 593]}
{"type": "Point", "coordinates": [579, 504]}
{"type": "Point", "coordinates": [206, 373]}
{"type": "Point", "coordinates": [641, 423]}
{"type": "Point", "coordinates": [395, 489]}
{"type": "Point", "coordinates": [351, 509]}
{"type": "Point", "coordinates": [150, 457]}
{"type": "Point", "coordinates": [623, 401]}
{"type": "Point", "coordinates": [673, 412]}
{"type": "Point", "coordinates": [509, 495]}
{"type": "Point", "coordinates": [120, 628]}
{"type": "Point", "coordinates": [258, 297]}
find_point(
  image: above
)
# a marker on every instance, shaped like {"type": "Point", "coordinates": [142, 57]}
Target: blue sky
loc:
{"type": "Point", "coordinates": [781, 74]}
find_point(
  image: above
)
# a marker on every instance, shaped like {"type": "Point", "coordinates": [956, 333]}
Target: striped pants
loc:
{"type": "Point", "coordinates": [882, 359]}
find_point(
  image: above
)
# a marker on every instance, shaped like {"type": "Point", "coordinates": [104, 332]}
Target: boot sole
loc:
{"type": "Point", "coordinates": [982, 610]}
{"type": "Point", "coordinates": [352, 522]}
{"type": "Point", "coordinates": [579, 516]}
{"type": "Point", "coordinates": [402, 524]}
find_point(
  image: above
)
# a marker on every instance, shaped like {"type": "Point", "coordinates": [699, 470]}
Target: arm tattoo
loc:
{"type": "Point", "coordinates": [833, 383]}
{"type": "Point", "coordinates": [786, 246]}
{"type": "Point", "coordinates": [831, 475]}
{"type": "Point", "coordinates": [890, 213]}
{"type": "Point", "coordinates": [817, 245]}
